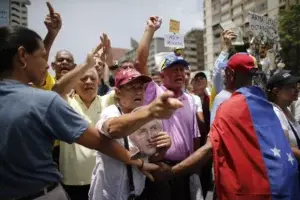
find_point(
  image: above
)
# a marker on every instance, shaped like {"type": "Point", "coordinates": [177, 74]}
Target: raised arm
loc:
{"type": "Point", "coordinates": [161, 108]}
{"type": "Point", "coordinates": [65, 84]}
{"type": "Point", "coordinates": [153, 24]}
{"type": "Point", "coordinates": [53, 23]}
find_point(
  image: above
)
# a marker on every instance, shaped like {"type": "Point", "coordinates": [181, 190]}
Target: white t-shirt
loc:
{"type": "Point", "coordinates": [286, 126]}
{"type": "Point", "coordinates": [109, 177]}
{"type": "Point", "coordinates": [219, 99]}
{"type": "Point", "coordinates": [198, 102]}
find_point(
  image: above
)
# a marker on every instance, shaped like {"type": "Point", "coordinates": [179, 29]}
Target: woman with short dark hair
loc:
{"type": "Point", "coordinates": [32, 119]}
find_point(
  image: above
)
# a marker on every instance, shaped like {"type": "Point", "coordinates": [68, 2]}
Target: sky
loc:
{"type": "Point", "coordinates": [85, 20]}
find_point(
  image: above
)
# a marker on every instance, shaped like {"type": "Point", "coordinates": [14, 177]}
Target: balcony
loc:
{"type": "Point", "coordinates": [225, 16]}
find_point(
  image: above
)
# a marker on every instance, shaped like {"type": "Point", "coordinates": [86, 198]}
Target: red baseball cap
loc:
{"type": "Point", "coordinates": [242, 62]}
{"type": "Point", "coordinates": [124, 76]}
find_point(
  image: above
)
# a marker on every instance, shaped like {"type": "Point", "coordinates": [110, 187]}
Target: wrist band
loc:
{"type": "Point", "coordinates": [142, 165]}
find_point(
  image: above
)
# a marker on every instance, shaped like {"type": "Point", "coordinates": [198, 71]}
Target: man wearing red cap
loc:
{"type": "Point", "coordinates": [112, 179]}
{"type": "Point", "coordinates": [239, 70]}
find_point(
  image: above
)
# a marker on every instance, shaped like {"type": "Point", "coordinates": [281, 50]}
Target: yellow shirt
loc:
{"type": "Point", "coordinates": [50, 82]}
{"type": "Point", "coordinates": [77, 162]}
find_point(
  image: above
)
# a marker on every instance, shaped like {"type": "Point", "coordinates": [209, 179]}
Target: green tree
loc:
{"type": "Point", "coordinates": [289, 32]}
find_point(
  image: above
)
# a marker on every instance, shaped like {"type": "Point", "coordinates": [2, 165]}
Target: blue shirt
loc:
{"type": "Point", "coordinates": [30, 120]}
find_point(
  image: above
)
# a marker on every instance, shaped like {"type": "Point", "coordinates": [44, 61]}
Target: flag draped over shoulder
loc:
{"type": "Point", "coordinates": [252, 157]}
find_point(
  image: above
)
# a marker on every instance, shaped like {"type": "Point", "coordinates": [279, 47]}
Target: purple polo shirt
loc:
{"type": "Point", "coordinates": [182, 127]}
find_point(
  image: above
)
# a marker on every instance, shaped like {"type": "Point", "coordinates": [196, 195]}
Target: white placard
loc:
{"type": "Point", "coordinates": [263, 25]}
{"type": "Point", "coordinates": [174, 40]}
{"type": "Point", "coordinates": [228, 25]}
{"type": "Point", "coordinates": [4, 12]}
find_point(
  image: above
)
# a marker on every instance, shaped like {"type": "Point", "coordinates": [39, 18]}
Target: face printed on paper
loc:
{"type": "Point", "coordinates": [142, 137]}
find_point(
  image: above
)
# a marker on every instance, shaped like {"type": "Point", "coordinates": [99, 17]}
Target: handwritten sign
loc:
{"type": "Point", "coordinates": [263, 25]}
{"type": "Point", "coordinates": [174, 26]}
{"type": "Point", "coordinates": [4, 12]}
{"type": "Point", "coordinates": [174, 40]}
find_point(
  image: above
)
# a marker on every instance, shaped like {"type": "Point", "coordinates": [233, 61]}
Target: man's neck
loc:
{"type": "Point", "coordinates": [177, 92]}
{"type": "Point", "coordinates": [87, 102]}
{"type": "Point", "coordinates": [15, 76]}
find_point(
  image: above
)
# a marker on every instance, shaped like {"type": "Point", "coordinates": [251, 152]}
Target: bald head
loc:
{"type": "Point", "coordinates": [64, 52]}
{"type": "Point", "coordinates": [63, 63]}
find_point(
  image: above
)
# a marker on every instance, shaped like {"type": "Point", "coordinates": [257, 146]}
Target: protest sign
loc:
{"type": "Point", "coordinates": [262, 25]}
{"type": "Point", "coordinates": [141, 138]}
{"type": "Point", "coordinates": [228, 25]}
{"type": "Point", "coordinates": [174, 26]}
{"type": "Point", "coordinates": [174, 40]}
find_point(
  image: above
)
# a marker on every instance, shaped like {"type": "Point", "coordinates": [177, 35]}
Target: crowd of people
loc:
{"type": "Point", "coordinates": [106, 131]}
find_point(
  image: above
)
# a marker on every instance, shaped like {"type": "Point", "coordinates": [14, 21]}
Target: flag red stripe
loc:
{"type": "Point", "coordinates": [242, 175]}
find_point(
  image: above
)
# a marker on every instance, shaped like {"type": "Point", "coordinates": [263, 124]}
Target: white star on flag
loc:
{"type": "Point", "coordinates": [290, 158]}
{"type": "Point", "coordinates": [276, 152]}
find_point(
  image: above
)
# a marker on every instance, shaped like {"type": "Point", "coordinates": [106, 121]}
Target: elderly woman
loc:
{"type": "Point", "coordinates": [282, 91]}
{"type": "Point", "coordinates": [32, 119]}
{"type": "Point", "coordinates": [114, 180]}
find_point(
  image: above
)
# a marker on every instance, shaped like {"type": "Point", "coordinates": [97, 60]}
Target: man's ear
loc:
{"type": "Point", "coordinates": [275, 91]}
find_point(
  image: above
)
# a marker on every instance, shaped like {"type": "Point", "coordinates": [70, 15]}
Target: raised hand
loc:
{"type": "Point", "coordinates": [53, 21]}
{"type": "Point", "coordinates": [227, 37]}
{"type": "Point", "coordinates": [106, 54]}
{"type": "Point", "coordinates": [164, 105]}
{"type": "Point", "coordinates": [90, 59]}
{"type": "Point", "coordinates": [154, 22]}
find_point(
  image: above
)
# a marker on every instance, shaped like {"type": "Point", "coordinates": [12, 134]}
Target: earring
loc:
{"type": "Point", "coordinates": [24, 66]}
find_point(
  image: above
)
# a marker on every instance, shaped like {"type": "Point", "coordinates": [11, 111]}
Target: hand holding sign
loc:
{"type": "Point", "coordinates": [164, 105]}
{"type": "Point", "coordinates": [53, 21]}
{"type": "Point", "coordinates": [161, 140]}
{"type": "Point", "coordinates": [154, 22]}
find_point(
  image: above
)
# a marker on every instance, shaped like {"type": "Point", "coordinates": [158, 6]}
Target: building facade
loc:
{"type": "Point", "coordinates": [157, 46]}
{"type": "Point", "coordinates": [19, 12]}
{"type": "Point", "coordinates": [193, 50]}
{"type": "Point", "coordinates": [217, 11]}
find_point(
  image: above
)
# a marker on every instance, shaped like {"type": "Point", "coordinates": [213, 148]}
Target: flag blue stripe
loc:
{"type": "Point", "coordinates": [282, 174]}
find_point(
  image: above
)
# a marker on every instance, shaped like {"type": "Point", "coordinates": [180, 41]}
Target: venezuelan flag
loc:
{"type": "Point", "coordinates": [252, 157]}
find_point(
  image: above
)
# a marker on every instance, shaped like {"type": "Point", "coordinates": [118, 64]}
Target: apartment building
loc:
{"type": "Point", "coordinates": [217, 11]}
{"type": "Point", "coordinates": [193, 50]}
{"type": "Point", "coordinates": [157, 46]}
{"type": "Point", "coordinates": [19, 12]}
